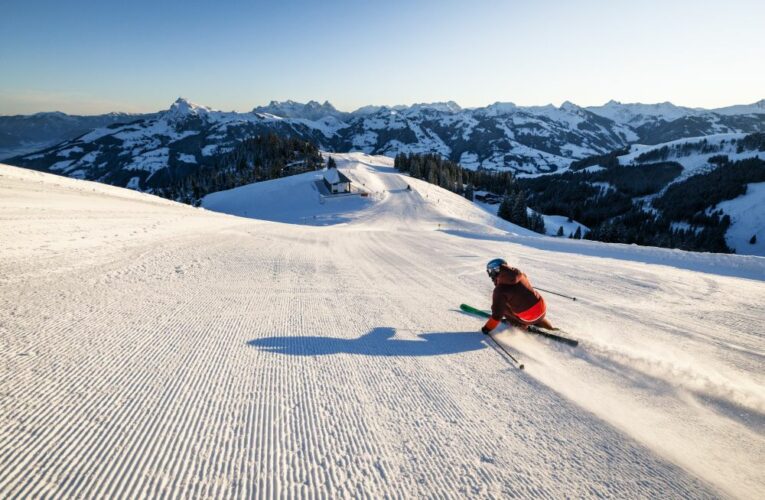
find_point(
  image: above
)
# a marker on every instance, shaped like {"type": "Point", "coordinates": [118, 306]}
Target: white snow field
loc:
{"type": "Point", "coordinates": [153, 349]}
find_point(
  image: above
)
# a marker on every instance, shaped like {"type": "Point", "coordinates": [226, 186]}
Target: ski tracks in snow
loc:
{"type": "Point", "coordinates": [179, 353]}
{"type": "Point", "coordinates": [151, 382]}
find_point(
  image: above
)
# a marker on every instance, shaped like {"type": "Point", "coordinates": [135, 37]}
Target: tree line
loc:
{"type": "Point", "coordinates": [455, 178]}
{"type": "Point", "coordinates": [630, 204]}
{"type": "Point", "coordinates": [256, 159]}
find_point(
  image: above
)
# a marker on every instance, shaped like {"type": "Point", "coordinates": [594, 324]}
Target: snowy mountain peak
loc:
{"type": "Point", "coordinates": [326, 105]}
{"type": "Point", "coordinates": [50, 116]}
{"type": "Point", "coordinates": [183, 108]}
{"type": "Point", "coordinates": [569, 107]}
{"type": "Point", "coordinates": [369, 110]}
{"type": "Point", "coordinates": [755, 108]}
{"type": "Point", "coordinates": [442, 107]}
{"type": "Point", "coordinates": [500, 108]}
{"type": "Point", "coordinates": [636, 114]}
{"type": "Point", "coordinates": [311, 110]}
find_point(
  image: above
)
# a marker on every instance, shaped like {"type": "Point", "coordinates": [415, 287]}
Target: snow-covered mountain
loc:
{"type": "Point", "coordinates": [146, 154]}
{"type": "Point", "coordinates": [702, 155]}
{"type": "Point", "coordinates": [154, 349]}
{"type": "Point", "coordinates": [500, 136]}
{"type": "Point", "coordinates": [637, 114]}
{"type": "Point", "coordinates": [311, 110]}
{"type": "Point", "coordinates": [664, 122]}
{"type": "Point", "coordinates": [22, 134]}
{"type": "Point", "coordinates": [722, 172]}
{"type": "Point", "coordinates": [743, 109]}
{"type": "Point", "coordinates": [529, 140]}
{"type": "Point", "coordinates": [152, 153]}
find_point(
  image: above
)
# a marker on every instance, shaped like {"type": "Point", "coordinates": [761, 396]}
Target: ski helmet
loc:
{"type": "Point", "coordinates": [492, 268]}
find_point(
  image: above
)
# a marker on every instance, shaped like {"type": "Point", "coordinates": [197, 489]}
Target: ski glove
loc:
{"type": "Point", "coordinates": [490, 325]}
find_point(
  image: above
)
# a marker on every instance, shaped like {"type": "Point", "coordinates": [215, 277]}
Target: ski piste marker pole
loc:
{"type": "Point", "coordinates": [555, 293]}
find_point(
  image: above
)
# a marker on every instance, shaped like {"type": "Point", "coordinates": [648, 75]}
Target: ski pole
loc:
{"type": "Point", "coordinates": [520, 365]}
{"type": "Point", "coordinates": [556, 293]}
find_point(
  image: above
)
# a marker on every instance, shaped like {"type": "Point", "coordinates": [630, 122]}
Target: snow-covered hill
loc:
{"type": "Point", "coordinates": [697, 156]}
{"type": "Point", "coordinates": [692, 153]}
{"type": "Point", "coordinates": [154, 349]}
{"type": "Point", "coordinates": [527, 140]}
{"type": "Point", "coordinates": [383, 201]}
{"type": "Point", "coordinates": [23, 134]}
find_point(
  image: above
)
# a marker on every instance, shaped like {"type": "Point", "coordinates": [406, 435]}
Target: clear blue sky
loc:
{"type": "Point", "coordinates": [82, 56]}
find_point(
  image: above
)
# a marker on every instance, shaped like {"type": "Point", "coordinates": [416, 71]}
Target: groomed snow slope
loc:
{"type": "Point", "coordinates": [149, 348]}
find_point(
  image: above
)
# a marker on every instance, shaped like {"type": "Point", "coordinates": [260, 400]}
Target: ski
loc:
{"type": "Point", "coordinates": [532, 329]}
{"type": "Point", "coordinates": [548, 334]}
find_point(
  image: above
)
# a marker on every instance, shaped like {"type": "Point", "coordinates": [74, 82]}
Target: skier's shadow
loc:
{"type": "Point", "coordinates": [378, 342]}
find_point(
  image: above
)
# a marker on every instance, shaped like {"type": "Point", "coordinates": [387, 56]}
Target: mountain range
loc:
{"type": "Point", "coordinates": [21, 134]}
{"type": "Point", "coordinates": [149, 151]}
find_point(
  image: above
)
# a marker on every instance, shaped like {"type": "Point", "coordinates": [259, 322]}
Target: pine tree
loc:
{"type": "Point", "coordinates": [578, 233]}
{"type": "Point", "coordinates": [469, 192]}
{"type": "Point", "coordinates": [520, 213]}
{"type": "Point", "coordinates": [753, 239]}
{"type": "Point", "coordinates": [331, 163]}
{"type": "Point", "coordinates": [505, 210]}
{"type": "Point", "coordinates": [400, 162]}
{"type": "Point", "coordinates": [415, 171]}
{"type": "Point", "coordinates": [432, 176]}
{"type": "Point", "coordinates": [537, 223]}
{"type": "Point", "coordinates": [444, 179]}
{"type": "Point", "coordinates": [560, 231]}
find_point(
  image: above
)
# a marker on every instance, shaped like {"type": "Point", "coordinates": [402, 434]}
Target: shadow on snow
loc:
{"type": "Point", "coordinates": [378, 342]}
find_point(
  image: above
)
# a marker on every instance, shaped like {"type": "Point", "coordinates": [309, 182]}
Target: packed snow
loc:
{"type": "Point", "coordinates": [154, 349]}
{"type": "Point", "coordinates": [747, 215]}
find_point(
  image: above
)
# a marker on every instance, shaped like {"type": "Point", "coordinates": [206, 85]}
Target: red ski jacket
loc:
{"type": "Point", "coordinates": [514, 297]}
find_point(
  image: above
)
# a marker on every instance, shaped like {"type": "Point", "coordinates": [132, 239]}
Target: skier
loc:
{"type": "Point", "coordinates": [514, 299]}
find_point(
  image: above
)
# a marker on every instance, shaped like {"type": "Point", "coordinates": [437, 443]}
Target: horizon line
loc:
{"type": "Point", "coordinates": [389, 106]}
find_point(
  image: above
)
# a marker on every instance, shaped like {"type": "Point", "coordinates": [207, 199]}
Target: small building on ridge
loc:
{"type": "Point", "coordinates": [336, 181]}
